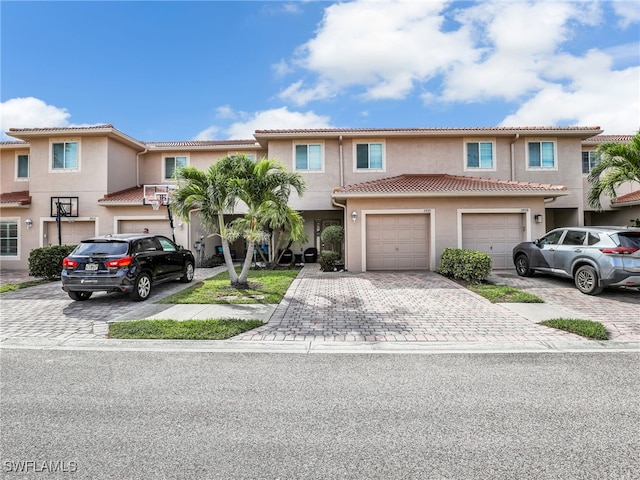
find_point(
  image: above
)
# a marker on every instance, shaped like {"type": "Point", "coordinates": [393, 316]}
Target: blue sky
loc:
{"type": "Point", "coordinates": [161, 71]}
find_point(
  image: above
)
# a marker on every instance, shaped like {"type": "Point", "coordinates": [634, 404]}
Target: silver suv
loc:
{"type": "Point", "coordinates": [595, 257]}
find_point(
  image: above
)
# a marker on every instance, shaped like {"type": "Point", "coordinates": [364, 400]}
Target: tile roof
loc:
{"type": "Point", "coordinates": [608, 138]}
{"type": "Point", "coordinates": [629, 198]}
{"type": "Point", "coordinates": [71, 129]}
{"type": "Point", "coordinates": [434, 129]}
{"type": "Point", "coordinates": [128, 196]}
{"type": "Point", "coordinates": [447, 184]}
{"type": "Point", "coordinates": [203, 143]}
{"type": "Point", "coordinates": [15, 198]}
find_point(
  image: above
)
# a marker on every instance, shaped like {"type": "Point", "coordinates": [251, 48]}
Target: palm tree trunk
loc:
{"type": "Point", "coordinates": [244, 274]}
{"type": "Point", "coordinates": [226, 252]}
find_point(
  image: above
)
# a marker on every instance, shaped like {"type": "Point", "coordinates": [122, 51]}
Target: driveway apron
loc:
{"type": "Point", "coordinates": [393, 307]}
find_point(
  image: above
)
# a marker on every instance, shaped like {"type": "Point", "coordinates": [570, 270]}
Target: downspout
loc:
{"type": "Point", "coordinates": [138, 166]}
{"type": "Point", "coordinates": [344, 222]}
{"type": "Point", "coordinates": [341, 163]}
{"type": "Point", "coordinates": [513, 157]}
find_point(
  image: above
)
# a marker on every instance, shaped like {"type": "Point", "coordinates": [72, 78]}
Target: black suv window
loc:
{"type": "Point", "coordinates": [574, 237]}
{"type": "Point", "coordinates": [167, 245]}
{"type": "Point", "coordinates": [146, 245]}
{"type": "Point", "coordinates": [102, 248]}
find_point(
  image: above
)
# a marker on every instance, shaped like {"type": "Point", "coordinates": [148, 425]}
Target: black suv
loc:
{"type": "Point", "coordinates": [129, 263]}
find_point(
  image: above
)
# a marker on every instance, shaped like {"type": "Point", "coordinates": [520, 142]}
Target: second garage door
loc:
{"type": "Point", "coordinates": [493, 233]}
{"type": "Point", "coordinates": [157, 227]}
{"type": "Point", "coordinates": [397, 242]}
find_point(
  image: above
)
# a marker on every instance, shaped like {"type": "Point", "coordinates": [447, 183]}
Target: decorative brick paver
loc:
{"type": "Point", "coordinates": [392, 307]}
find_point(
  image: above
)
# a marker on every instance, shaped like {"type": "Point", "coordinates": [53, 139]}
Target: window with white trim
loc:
{"type": "Point", "coordinates": [479, 155]}
{"type": "Point", "coordinates": [589, 160]}
{"type": "Point", "coordinates": [308, 157]}
{"type": "Point", "coordinates": [8, 238]}
{"type": "Point", "coordinates": [369, 156]}
{"type": "Point", "coordinates": [172, 164]}
{"type": "Point", "coordinates": [541, 154]}
{"type": "Point", "coordinates": [22, 166]}
{"type": "Point", "coordinates": [65, 156]}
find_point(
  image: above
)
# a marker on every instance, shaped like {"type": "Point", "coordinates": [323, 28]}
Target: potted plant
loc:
{"type": "Point", "coordinates": [331, 259]}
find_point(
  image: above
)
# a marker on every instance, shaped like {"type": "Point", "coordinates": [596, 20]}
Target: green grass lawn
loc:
{"type": "Point", "coordinates": [585, 328]}
{"type": "Point", "coordinates": [265, 286]}
{"type": "Point", "coordinates": [503, 294]}
{"type": "Point", "coordinates": [17, 286]}
{"type": "Point", "coordinates": [210, 329]}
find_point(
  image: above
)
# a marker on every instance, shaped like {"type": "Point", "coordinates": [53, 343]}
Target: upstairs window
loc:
{"type": "Point", "coordinates": [22, 167]}
{"type": "Point", "coordinates": [9, 238]}
{"type": "Point", "coordinates": [309, 157]}
{"type": "Point", "coordinates": [172, 164]}
{"type": "Point", "coordinates": [541, 155]}
{"type": "Point", "coordinates": [480, 155]}
{"type": "Point", "coordinates": [589, 160]}
{"type": "Point", "coordinates": [64, 156]}
{"type": "Point", "coordinates": [369, 156]}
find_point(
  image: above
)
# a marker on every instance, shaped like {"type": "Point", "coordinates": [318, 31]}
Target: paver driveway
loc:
{"type": "Point", "coordinates": [372, 306]}
{"type": "Point", "coordinates": [423, 306]}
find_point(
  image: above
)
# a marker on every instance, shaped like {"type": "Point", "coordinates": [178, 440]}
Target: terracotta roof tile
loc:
{"type": "Point", "coordinates": [430, 130]}
{"type": "Point", "coordinates": [15, 198]}
{"type": "Point", "coordinates": [442, 183]}
{"type": "Point", "coordinates": [202, 143]}
{"type": "Point", "coordinates": [129, 195]}
{"type": "Point", "coordinates": [71, 129]}
{"type": "Point", "coordinates": [633, 197]}
{"type": "Point", "coordinates": [608, 138]}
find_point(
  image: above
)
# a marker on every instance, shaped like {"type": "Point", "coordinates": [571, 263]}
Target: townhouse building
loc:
{"type": "Point", "coordinates": [402, 195]}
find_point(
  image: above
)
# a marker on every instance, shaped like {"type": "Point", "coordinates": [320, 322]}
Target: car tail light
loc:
{"type": "Point", "coordinates": [68, 263]}
{"type": "Point", "coordinates": [120, 262]}
{"type": "Point", "coordinates": [620, 250]}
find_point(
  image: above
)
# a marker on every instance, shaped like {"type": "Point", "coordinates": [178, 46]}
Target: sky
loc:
{"type": "Point", "coordinates": [218, 70]}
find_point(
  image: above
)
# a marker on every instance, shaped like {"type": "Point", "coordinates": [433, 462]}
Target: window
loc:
{"type": "Point", "coordinates": [9, 238]}
{"type": "Point", "coordinates": [541, 154]}
{"type": "Point", "coordinates": [589, 160]}
{"type": "Point", "coordinates": [309, 157]}
{"type": "Point", "coordinates": [171, 164]}
{"type": "Point", "coordinates": [22, 166]}
{"type": "Point", "coordinates": [574, 237]}
{"type": "Point", "coordinates": [552, 238]}
{"type": "Point", "coordinates": [369, 156]}
{"type": "Point", "coordinates": [479, 155]}
{"type": "Point", "coordinates": [64, 156]}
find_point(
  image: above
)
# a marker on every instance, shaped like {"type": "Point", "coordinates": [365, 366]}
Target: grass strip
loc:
{"type": "Point", "coordinates": [17, 286]}
{"type": "Point", "coordinates": [585, 328]}
{"type": "Point", "coordinates": [210, 329]}
{"type": "Point", "coordinates": [265, 286]}
{"type": "Point", "coordinates": [503, 294]}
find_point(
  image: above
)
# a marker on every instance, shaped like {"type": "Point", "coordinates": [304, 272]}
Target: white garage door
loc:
{"type": "Point", "coordinates": [71, 232]}
{"type": "Point", "coordinates": [493, 233]}
{"type": "Point", "coordinates": [158, 227]}
{"type": "Point", "coordinates": [397, 242]}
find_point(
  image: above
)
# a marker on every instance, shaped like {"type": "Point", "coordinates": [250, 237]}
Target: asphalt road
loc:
{"type": "Point", "coordinates": [145, 415]}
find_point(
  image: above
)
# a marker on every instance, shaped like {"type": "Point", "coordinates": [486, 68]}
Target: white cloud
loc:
{"type": "Point", "coordinates": [30, 112]}
{"type": "Point", "coordinates": [277, 118]}
{"type": "Point", "coordinates": [384, 47]}
{"type": "Point", "coordinates": [628, 11]}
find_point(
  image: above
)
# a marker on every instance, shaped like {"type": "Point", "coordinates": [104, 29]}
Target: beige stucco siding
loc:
{"type": "Point", "coordinates": [121, 166]}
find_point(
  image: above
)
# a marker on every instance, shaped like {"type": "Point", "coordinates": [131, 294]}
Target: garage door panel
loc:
{"type": "Point", "coordinates": [71, 232]}
{"type": "Point", "coordinates": [493, 233]}
{"type": "Point", "coordinates": [397, 242]}
{"type": "Point", "coordinates": [158, 227]}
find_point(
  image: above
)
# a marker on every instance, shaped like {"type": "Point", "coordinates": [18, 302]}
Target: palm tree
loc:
{"type": "Point", "coordinates": [264, 188]}
{"type": "Point", "coordinates": [206, 192]}
{"type": "Point", "coordinates": [619, 163]}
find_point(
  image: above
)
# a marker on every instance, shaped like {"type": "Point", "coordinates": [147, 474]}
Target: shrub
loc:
{"type": "Point", "coordinates": [46, 262]}
{"type": "Point", "coordinates": [461, 264]}
{"type": "Point", "coordinates": [334, 236]}
{"type": "Point", "coordinates": [328, 260]}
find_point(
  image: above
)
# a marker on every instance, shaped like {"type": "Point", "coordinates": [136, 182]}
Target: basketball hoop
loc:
{"type": "Point", "coordinates": [155, 204]}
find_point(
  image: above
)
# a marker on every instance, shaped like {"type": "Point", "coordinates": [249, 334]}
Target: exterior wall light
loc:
{"type": "Point", "coordinates": [29, 223]}
{"type": "Point", "coordinates": [354, 216]}
{"type": "Point", "coordinates": [537, 218]}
